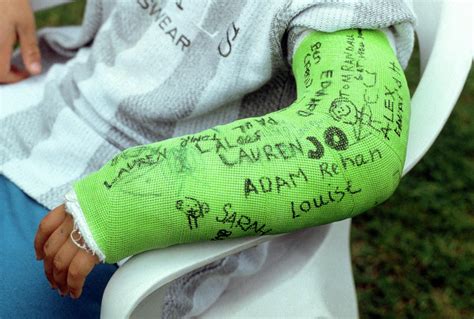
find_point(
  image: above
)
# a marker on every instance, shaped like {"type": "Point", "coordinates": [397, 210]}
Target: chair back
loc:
{"type": "Point", "coordinates": [444, 34]}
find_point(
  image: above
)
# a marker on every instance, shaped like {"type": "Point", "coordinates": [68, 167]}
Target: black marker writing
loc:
{"type": "Point", "coordinates": [225, 46]}
{"type": "Point", "coordinates": [193, 209]}
{"type": "Point", "coordinates": [277, 183]}
{"type": "Point", "coordinates": [241, 221]}
{"type": "Point", "coordinates": [335, 195]}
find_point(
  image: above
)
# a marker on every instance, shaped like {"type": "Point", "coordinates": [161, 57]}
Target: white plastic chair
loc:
{"type": "Point", "coordinates": [319, 281]}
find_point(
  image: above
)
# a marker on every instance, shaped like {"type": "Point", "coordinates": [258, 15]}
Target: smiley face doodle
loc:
{"type": "Point", "coordinates": [193, 209]}
{"type": "Point", "coordinates": [345, 111]}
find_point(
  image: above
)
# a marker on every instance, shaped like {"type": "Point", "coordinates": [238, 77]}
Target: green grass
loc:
{"type": "Point", "coordinates": [62, 15]}
{"type": "Point", "coordinates": [413, 255]}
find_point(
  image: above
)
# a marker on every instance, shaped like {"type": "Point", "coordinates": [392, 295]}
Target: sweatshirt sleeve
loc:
{"type": "Point", "coordinates": [335, 152]}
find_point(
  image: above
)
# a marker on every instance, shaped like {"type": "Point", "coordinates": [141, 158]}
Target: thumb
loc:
{"type": "Point", "coordinates": [29, 46]}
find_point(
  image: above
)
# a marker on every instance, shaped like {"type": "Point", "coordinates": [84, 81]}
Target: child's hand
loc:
{"type": "Point", "coordinates": [65, 264]}
{"type": "Point", "coordinates": [18, 23]}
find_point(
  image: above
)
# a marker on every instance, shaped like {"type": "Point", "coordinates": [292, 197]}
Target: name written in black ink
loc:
{"type": "Point", "coordinates": [334, 195]}
{"type": "Point", "coordinates": [241, 221]}
{"type": "Point", "coordinates": [275, 184]}
{"type": "Point", "coordinates": [146, 160]}
{"type": "Point", "coordinates": [328, 169]}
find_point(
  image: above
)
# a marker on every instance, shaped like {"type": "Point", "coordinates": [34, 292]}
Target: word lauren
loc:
{"type": "Point", "coordinates": [131, 166]}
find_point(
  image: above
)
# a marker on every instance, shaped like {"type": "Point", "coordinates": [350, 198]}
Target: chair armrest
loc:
{"type": "Point", "coordinates": [142, 274]}
{"type": "Point", "coordinates": [37, 5]}
{"type": "Point", "coordinates": [443, 77]}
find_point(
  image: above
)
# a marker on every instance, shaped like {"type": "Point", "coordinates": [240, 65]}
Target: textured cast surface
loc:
{"type": "Point", "coordinates": [338, 150]}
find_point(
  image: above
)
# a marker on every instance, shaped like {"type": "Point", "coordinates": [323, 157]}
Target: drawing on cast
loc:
{"type": "Point", "coordinates": [193, 209]}
{"type": "Point", "coordinates": [360, 118]}
{"type": "Point", "coordinates": [222, 234]}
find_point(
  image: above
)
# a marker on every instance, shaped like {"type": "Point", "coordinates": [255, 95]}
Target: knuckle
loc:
{"type": "Point", "coordinates": [64, 231]}
{"type": "Point", "coordinates": [47, 251]}
{"type": "Point", "coordinates": [58, 263]}
{"type": "Point", "coordinates": [57, 278]}
{"type": "Point", "coordinates": [74, 290]}
{"type": "Point", "coordinates": [47, 260]}
{"type": "Point", "coordinates": [26, 26]}
{"type": "Point", "coordinates": [43, 226]}
{"type": "Point", "coordinates": [32, 50]}
{"type": "Point", "coordinates": [74, 273]}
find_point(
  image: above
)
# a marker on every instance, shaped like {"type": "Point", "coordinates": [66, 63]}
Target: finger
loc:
{"type": "Point", "coordinates": [14, 76]}
{"type": "Point", "coordinates": [80, 267]}
{"type": "Point", "coordinates": [30, 52]}
{"type": "Point", "coordinates": [46, 227]}
{"type": "Point", "coordinates": [61, 263]}
{"type": "Point", "coordinates": [7, 39]}
{"type": "Point", "coordinates": [52, 246]}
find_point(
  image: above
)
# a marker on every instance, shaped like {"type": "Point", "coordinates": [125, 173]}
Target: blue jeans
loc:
{"type": "Point", "coordinates": [24, 289]}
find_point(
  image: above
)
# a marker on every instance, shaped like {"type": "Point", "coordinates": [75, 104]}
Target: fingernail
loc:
{"type": "Point", "coordinates": [35, 68]}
